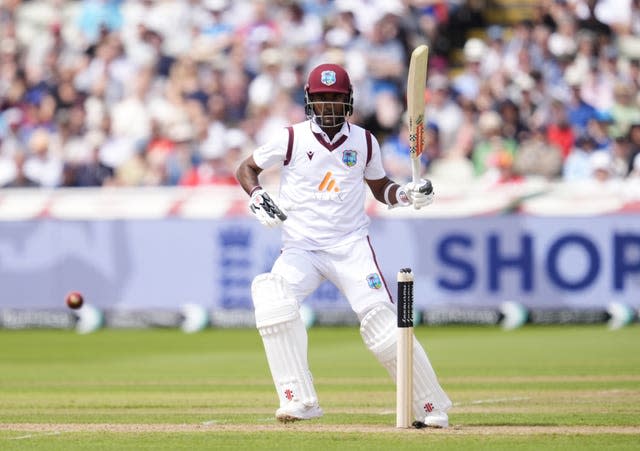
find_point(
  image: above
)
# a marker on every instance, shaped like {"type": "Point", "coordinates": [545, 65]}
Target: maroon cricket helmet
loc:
{"type": "Point", "coordinates": [328, 78]}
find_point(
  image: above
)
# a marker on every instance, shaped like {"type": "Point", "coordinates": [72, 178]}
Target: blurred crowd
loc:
{"type": "Point", "coordinates": [177, 92]}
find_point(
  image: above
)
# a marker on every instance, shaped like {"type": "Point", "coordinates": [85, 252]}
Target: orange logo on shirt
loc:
{"type": "Point", "coordinates": [328, 183]}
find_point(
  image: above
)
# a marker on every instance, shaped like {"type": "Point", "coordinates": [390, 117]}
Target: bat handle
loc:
{"type": "Point", "coordinates": [415, 174]}
{"type": "Point", "coordinates": [415, 170]}
{"type": "Point", "coordinates": [416, 177]}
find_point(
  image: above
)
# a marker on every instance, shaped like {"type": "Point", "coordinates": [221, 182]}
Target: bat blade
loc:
{"type": "Point", "coordinates": [416, 84]}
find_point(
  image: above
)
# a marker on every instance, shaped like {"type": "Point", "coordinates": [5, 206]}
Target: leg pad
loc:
{"type": "Point", "coordinates": [284, 338]}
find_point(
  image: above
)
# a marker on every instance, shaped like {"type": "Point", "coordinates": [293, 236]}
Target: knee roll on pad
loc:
{"type": "Point", "coordinates": [378, 330]}
{"type": "Point", "coordinates": [273, 301]}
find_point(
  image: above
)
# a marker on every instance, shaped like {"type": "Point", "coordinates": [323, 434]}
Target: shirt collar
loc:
{"type": "Point", "coordinates": [344, 131]}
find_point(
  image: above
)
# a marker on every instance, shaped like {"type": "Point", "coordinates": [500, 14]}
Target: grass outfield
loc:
{"type": "Point", "coordinates": [533, 388]}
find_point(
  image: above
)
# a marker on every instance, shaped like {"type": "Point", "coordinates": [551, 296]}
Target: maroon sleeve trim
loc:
{"type": "Point", "coordinates": [369, 146]}
{"type": "Point", "coordinates": [287, 159]}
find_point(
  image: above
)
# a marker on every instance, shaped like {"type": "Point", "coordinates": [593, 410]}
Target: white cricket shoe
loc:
{"type": "Point", "coordinates": [295, 411]}
{"type": "Point", "coordinates": [436, 419]}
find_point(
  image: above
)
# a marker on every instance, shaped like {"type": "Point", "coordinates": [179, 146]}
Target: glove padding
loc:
{"type": "Point", "coordinates": [265, 209]}
{"type": "Point", "coordinates": [420, 194]}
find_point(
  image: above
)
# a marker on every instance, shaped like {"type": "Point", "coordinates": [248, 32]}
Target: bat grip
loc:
{"type": "Point", "coordinates": [415, 170]}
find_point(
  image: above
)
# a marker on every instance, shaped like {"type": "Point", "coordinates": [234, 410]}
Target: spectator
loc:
{"type": "Point", "coordinates": [90, 171]}
{"type": "Point", "coordinates": [385, 60]}
{"type": "Point", "coordinates": [386, 115]}
{"type": "Point", "coordinates": [491, 144]}
{"type": "Point", "coordinates": [96, 16]}
{"type": "Point", "coordinates": [256, 33]}
{"type": "Point", "coordinates": [494, 59]}
{"type": "Point", "coordinates": [597, 87]}
{"type": "Point", "coordinates": [465, 134]}
{"type": "Point", "coordinates": [563, 40]}
{"type": "Point", "coordinates": [585, 54]}
{"type": "Point", "coordinates": [520, 42]}
{"type": "Point", "coordinates": [217, 31]}
{"type": "Point", "coordinates": [599, 129]}
{"type": "Point", "coordinates": [395, 152]}
{"type": "Point", "coordinates": [10, 140]}
{"type": "Point", "coordinates": [109, 80]}
{"type": "Point", "coordinates": [578, 165]}
{"type": "Point", "coordinates": [432, 145]}
{"type": "Point", "coordinates": [620, 157]}
{"type": "Point", "coordinates": [634, 144]}
{"type": "Point", "coordinates": [42, 166]}
{"type": "Point", "coordinates": [265, 87]}
{"type": "Point", "coordinates": [235, 92]}
{"type": "Point", "coordinates": [300, 29]}
{"type": "Point", "coordinates": [501, 169]}
{"type": "Point", "coordinates": [467, 84]}
{"type": "Point", "coordinates": [529, 102]}
{"type": "Point", "coordinates": [625, 110]}
{"type": "Point", "coordinates": [15, 177]}
{"type": "Point", "coordinates": [579, 112]}
{"type": "Point", "coordinates": [442, 110]}
{"type": "Point", "coordinates": [218, 163]}
{"type": "Point", "coordinates": [600, 164]}
{"type": "Point", "coordinates": [559, 132]}
{"type": "Point", "coordinates": [589, 16]}
{"type": "Point", "coordinates": [106, 74]}
{"type": "Point", "coordinates": [538, 157]}
{"type": "Point", "coordinates": [512, 125]}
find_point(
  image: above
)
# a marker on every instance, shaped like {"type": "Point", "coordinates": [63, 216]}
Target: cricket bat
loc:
{"type": "Point", "coordinates": [416, 84]}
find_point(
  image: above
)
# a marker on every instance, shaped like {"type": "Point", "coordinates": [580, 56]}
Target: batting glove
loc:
{"type": "Point", "coordinates": [420, 194]}
{"type": "Point", "coordinates": [267, 212]}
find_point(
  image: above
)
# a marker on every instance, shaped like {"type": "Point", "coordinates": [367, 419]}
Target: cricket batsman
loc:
{"type": "Point", "coordinates": [326, 165]}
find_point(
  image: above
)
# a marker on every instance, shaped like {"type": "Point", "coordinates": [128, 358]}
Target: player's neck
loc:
{"type": "Point", "coordinates": [331, 131]}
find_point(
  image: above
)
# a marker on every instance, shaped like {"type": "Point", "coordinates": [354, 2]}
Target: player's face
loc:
{"type": "Point", "coordinates": [330, 108]}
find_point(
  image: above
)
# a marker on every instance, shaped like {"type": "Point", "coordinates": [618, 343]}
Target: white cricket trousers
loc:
{"type": "Point", "coordinates": [351, 267]}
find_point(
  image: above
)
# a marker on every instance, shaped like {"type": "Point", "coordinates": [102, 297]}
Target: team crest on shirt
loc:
{"type": "Point", "coordinates": [349, 157]}
{"type": "Point", "coordinates": [328, 77]}
{"type": "Point", "coordinates": [374, 281]}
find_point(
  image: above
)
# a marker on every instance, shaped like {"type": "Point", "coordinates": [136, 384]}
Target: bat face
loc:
{"type": "Point", "coordinates": [416, 84]}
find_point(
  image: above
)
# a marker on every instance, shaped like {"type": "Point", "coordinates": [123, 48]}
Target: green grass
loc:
{"type": "Point", "coordinates": [533, 388]}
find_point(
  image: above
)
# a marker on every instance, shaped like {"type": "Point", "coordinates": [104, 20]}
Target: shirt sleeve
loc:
{"type": "Point", "coordinates": [273, 151]}
{"type": "Point", "coordinates": [375, 169]}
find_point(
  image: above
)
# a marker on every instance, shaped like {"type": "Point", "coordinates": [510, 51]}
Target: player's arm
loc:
{"type": "Point", "coordinates": [389, 192]}
{"type": "Point", "coordinates": [385, 190]}
{"type": "Point", "coordinates": [247, 174]}
{"type": "Point", "coordinates": [261, 204]}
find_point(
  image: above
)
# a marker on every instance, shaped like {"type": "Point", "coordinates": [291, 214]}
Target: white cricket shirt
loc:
{"type": "Point", "coordinates": [322, 183]}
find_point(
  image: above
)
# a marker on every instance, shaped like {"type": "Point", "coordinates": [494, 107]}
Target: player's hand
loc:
{"type": "Point", "coordinates": [420, 194]}
{"type": "Point", "coordinates": [265, 209]}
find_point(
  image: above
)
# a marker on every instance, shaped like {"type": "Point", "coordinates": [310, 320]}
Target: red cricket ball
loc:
{"type": "Point", "coordinates": [74, 300]}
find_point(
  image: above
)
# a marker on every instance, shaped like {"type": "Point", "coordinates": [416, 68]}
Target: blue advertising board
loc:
{"type": "Point", "coordinates": [579, 262]}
